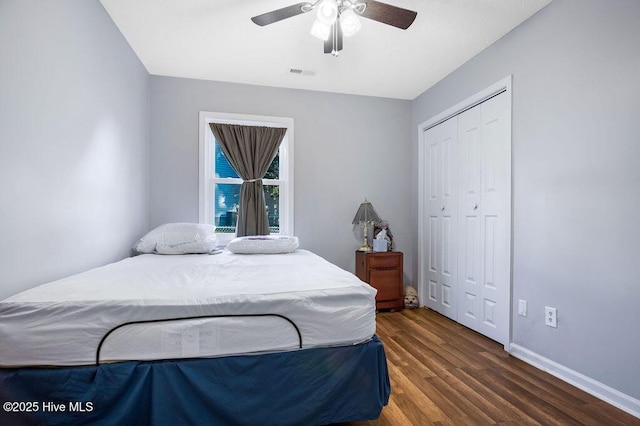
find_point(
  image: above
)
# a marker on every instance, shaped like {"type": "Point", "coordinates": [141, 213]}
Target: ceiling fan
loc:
{"type": "Point", "coordinates": [338, 18]}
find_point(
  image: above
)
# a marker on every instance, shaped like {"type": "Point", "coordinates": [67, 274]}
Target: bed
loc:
{"type": "Point", "coordinates": [194, 339]}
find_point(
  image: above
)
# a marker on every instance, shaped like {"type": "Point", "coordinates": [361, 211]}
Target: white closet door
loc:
{"type": "Point", "coordinates": [440, 197]}
{"type": "Point", "coordinates": [483, 225]}
{"type": "Point", "coordinates": [470, 217]}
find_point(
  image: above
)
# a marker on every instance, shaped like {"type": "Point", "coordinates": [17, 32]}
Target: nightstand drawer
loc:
{"type": "Point", "coordinates": [383, 271]}
{"type": "Point", "coordinates": [385, 261]}
{"type": "Point", "coordinates": [386, 282]}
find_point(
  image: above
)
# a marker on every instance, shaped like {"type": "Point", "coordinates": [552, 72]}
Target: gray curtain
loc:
{"type": "Point", "coordinates": [250, 150]}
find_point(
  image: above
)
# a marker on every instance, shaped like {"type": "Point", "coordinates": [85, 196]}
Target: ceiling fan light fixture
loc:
{"type": "Point", "coordinates": [320, 30]}
{"type": "Point", "coordinates": [328, 12]}
{"type": "Point", "coordinates": [336, 19]}
{"type": "Point", "coordinates": [350, 23]}
{"type": "Point", "coordinates": [359, 7]}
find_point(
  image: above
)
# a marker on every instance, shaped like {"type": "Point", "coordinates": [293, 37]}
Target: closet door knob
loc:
{"type": "Point", "coordinates": [442, 208]}
{"type": "Point", "coordinates": [475, 207]}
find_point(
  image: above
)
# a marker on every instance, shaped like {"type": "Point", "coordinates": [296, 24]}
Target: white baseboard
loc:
{"type": "Point", "coordinates": [587, 384]}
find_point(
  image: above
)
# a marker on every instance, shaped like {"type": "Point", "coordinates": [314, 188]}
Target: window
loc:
{"type": "Point", "coordinates": [220, 184]}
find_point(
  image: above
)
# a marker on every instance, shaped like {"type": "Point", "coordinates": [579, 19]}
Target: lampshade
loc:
{"type": "Point", "coordinates": [328, 12]}
{"type": "Point", "coordinates": [350, 23]}
{"type": "Point", "coordinates": [365, 214]}
{"type": "Point", "coordinates": [321, 30]}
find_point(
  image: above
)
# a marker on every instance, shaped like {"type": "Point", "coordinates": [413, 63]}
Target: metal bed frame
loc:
{"type": "Point", "coordinates": [104, 338]}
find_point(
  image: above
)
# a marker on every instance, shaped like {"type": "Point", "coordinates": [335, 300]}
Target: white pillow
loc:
{"type": "Point", "coordinates": [179, 238]}
{"type": "Point", "coordinates": [263, 244]}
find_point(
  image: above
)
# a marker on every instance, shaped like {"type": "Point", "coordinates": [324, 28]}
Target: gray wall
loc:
{"type": "Point", "coordinates": [346, 148]}
{"type": "Point", "coordinates": [576, 179]}
{"type": "Point", "coordinates": [73, 141]}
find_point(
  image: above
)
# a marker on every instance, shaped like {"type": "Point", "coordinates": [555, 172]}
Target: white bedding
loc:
{"type": "Point", "coordinates": [62, 323]}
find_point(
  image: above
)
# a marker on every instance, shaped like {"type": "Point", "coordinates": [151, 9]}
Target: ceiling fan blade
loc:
{"type": "Point", "coordinates": [338, 36]}
{"type": "Point", "coordinates": [388, 14]}
{"type": "Point", "coordinates": [328, 44]}
{"type": "Point", "coordinates": [334, 43]}
{"type": "Point", "coordinates": [279, 14]}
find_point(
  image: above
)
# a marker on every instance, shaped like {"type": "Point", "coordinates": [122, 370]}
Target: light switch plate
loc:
{"type": "Point", "coordinates": [522, 308]}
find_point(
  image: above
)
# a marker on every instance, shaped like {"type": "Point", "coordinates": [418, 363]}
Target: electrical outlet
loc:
{"type": "Point", "coordinates": [522, 308]}
{"type": "Point", "coordinates": [551, 317]}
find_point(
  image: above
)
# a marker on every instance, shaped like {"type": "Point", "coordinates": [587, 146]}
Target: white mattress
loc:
{"type": "Point", "coordinates": [63, 322]}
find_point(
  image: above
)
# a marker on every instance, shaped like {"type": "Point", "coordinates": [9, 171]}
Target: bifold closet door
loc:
{"type": "Point", "coordinates": [440, 186]}
{"type": "Point", "coordinates": [466, 203]}
{"type": "Point", "coordinates": [483, 207]}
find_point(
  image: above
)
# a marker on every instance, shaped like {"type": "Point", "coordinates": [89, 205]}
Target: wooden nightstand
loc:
{"type": "Point", "coordinates": [383, 271]}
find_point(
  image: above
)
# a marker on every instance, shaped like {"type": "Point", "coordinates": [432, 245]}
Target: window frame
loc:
{"type": "Point", "coordinates": [208, 180]}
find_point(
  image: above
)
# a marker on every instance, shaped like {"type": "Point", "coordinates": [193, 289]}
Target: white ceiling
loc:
{"type": "Point", "coordinates": [216, 40]}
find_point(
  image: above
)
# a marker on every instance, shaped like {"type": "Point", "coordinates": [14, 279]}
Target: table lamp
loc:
{"type": "Point", "coordinates": [365, 216]}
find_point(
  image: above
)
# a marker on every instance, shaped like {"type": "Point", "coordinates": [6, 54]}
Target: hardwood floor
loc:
{"type": "Point", "coordinates": [445, 374]}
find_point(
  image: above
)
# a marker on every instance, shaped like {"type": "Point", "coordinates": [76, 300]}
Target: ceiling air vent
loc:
{"type": "Point", "coordinates": [298, 71]}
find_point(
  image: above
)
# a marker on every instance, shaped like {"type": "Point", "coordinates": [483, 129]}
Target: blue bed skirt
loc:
{"type": "Point", "coordinates": [304, 387]}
